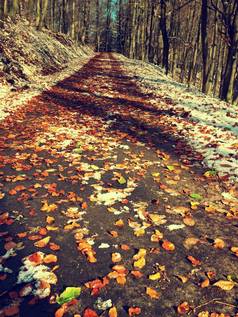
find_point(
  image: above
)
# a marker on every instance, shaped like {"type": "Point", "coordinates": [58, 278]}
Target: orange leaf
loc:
{"type": "Point", "coordinates": [134, 311]}
{"type": "Point", "coordinates": [121, 280]}
{"type": "Point", "coordinates": [50, 220]}
{"type": "Point", "coordinates": [84, 205]}
{"type": "Point", "coordinates": [43, 231]}
{"type": "Point", "coordinates": [113, 233]}
{"type": "Point", "coordinates": [168, 246]}
{"type": "Point", "coordinates": [119, 223]}
{"type": "Point", "coordinates": [50, 258]}
{"type": "Point", "coordinates": [112, 312]}
{"type": "Point", "coordinates": [120, 269]}
{"type": "Point", "coordinates": [152, 293]}
{"type": "Point", "coordinates": [189, 221]}
{"type": "Point", "coordinates": [54, 246]}
{"type": "Point", "coordinates": [22, 234]}
{"type": "Point", "coordinates": [194, 261]}
{"type": "Point", "coordinates": [137, 274]}
{"type": "Point", "coordinates": [125, 247]}
{"type": "Point", "coordinates": [89, 313]}
{"type": "Point", "coordinates": [205, 283]}
{"type": "Point", "coordinates": [36, 258]}
{"type": "Point", "coordinates": [61, 311]}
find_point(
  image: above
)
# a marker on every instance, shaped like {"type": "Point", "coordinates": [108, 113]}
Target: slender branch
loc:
{"type": "Point", "coordinates": [214, 300]}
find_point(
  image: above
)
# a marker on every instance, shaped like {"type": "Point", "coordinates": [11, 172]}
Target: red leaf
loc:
{"type": "Point", "coordinates": [89, 313]}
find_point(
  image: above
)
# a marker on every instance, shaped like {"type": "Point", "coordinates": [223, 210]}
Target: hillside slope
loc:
{"type": "Point", "coordinates": [32, 60]}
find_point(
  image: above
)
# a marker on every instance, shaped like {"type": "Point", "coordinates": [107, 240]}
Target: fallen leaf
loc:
{"type": "Point", "coordinates": [112, 312]}
{"type": "Point", "coordinates": [48, 208]}
{"type": "Point", "coordinates": [196, 196]}
{"type": "Point", "coordinates": [119, 223]}
{"type": "Point", "coordinates": [42, 243]}
{"type": "Point", "coordinates": [152, 293]}
{"type": "Point", "coordinates": [68, 294]}
{"type": "Point", "coordinates": [134, 311]}
{"type": "Point", "coordinates": [183, 308]}
{"type": "Point", "coordinates": [189, 221]}
{"type": "Point", "coordinates": [121, 279]}
{"type": "Point", "coordinates": [155, 276]}
{"type": "Point", "coordinates": [50, 258]}
{"type": "Point", "coordinates": [124, 247]}
{"type": "Point", "coordinates": [11, 310]}
{"type": "Point", "coordinates": [225, 285]}
{"type": "Point", "coordinates": [219, 243]}
{"type": "Point", "coordinates": [190, 242]}
{"type": "Point", "coordinates": [194, 261]}
{"type": "Point", "coordinates": [61, 311]}
{"type": "Point", "coordinates": [234, 250]}
{"type": "Point", "coordinates": [116, 257]}
{"type": "Point", "coordinates": [50, 220]}
{"type": "Point", "coordinates": [137, 274]}
{"type": "Point", "coordinates": [182, 278]}
{"type": "Point", "coordinates": [205, 283]}
{"type": "Point", "coordinates": [89, 313]}
{"type": "Point", "coordinates": [168, 246]}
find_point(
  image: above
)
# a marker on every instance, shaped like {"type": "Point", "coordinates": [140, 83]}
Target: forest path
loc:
{"type": "Point", "coordinates": [82, 166]}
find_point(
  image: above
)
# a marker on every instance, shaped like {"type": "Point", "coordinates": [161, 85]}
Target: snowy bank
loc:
{"type": "Point", "coordinates": [208, 124]}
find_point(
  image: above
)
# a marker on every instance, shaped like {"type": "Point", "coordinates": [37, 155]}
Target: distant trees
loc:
{"type": "Point", "coordinates": [197, 41]}
{"type": "Point", "coordinates": [194, 40]}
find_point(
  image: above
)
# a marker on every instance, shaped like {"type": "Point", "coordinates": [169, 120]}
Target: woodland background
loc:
{"type": "Point", "coordinates": [196, 41]}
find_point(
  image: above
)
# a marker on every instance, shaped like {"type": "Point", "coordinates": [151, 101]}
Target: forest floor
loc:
{"type": "Point", "coordinates": [99, 193]}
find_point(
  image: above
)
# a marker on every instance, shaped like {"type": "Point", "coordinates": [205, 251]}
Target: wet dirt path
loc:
{"type": "Point", "coordinates": [90, 177]}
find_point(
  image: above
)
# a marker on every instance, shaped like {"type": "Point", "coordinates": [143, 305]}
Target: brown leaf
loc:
{"type": "Point", "coordinates": [189, 221]}
{"type": "Point", "coordinates": [190, 242]}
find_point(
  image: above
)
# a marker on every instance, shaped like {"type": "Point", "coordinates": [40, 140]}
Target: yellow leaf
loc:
{"type": "Point", "coordinates": [139, 232]}
{"type": "Point", "coordinates": [42, 243]}
{"type": "Point", "coordinates": [52, 228]}
{"type": "Point", "coordinates": [154, 277]}
{"type": "Point", "coordinates": [139, 263]}
{"type": "Point", "coordinates": [48, 208]}
{"type": "Point", "coordinates": [140, 254]}
{"type": "Point", "coordinates": [225, 285]}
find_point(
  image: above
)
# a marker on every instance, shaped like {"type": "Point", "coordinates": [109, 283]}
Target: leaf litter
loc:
{"type": "Point", "coordinates": [114, 211]}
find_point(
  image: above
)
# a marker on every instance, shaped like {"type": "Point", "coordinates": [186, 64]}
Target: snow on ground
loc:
{"type": "Point", "coordinates": [208, 124]}
{"type": "Point", "coordinates": [32, 61]}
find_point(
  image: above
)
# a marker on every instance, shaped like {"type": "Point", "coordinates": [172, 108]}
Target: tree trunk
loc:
{"type": "Point", "coordinates": [204, 45]}
{"type": "Point", "coordinates": [163, 27]}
